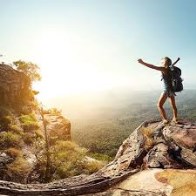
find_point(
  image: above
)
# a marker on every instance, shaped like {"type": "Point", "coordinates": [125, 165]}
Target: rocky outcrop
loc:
{"type": "Point", "coordinates": [157, 182]}
{"type": "Point", "coordinates": [14, 86]}
{"type": "Point", "coordinates": [155, 159]}
{"type": "Point", "coordinates": [58, 127]}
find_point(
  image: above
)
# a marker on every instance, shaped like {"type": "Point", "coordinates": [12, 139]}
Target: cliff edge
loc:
{"type": "Point", "coordinates": [155, 159]}
{"type": "Point", "coordinates": [27, 133]}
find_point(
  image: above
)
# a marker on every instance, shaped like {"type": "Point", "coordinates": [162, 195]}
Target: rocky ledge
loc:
{"type": "Point", "coordinates": [15, 86]}
{"type": "Point", "coordinates": [155, 159]}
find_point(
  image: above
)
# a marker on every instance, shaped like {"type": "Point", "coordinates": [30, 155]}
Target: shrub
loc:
{"type": "Point", "coordinates": [16, 129]}
{"type": "Point", "coordinates": [29, 122]}
{"type": "Point", "coordinates": [30, 126]}
{"type": "Point", "coordinates": [68, 159]}
{"type": "Point", "coordinates": [54, 111]}
{"type": "Point", "coordinates": [27, 118]}
{"type": "Point", "coordinates": [101, 157]}
{"type": "Point", "coordinates": [91, 166]}
{"type": "Point", "coordinates": [65, 160]}
{"type": "Point", "coordinates": [9, 139]}
{"type": "Point", "coordinates": [19, 170]}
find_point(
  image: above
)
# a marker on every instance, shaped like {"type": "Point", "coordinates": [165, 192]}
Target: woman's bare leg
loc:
{"type": "Point", "coordinates": [160, 104]}
{"type": "Point", "coordinates": [174, 108]}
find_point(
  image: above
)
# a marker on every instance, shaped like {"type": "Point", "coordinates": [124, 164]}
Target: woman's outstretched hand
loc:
{"type": "Point", "coordinates": [140, 61]}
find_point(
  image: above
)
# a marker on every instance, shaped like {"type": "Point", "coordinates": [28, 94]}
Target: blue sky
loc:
{"type": "Point", "coordinates": [83, 45]}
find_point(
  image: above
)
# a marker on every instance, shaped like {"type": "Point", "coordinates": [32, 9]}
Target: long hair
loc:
{"type": "Point", "coordinates": [168, 62]}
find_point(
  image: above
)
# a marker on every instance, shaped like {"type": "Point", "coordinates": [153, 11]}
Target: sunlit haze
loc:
{"type": "Point", "coordinates": [92, 46]}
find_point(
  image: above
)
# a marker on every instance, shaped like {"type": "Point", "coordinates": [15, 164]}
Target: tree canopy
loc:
{"type": "Point", "coordinates": [28, 68]}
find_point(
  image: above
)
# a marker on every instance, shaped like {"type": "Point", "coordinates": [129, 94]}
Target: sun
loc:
{"type": "Point", "coordinates": [65, 66]}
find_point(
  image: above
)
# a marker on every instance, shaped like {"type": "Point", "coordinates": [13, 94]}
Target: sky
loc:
{"type": "Point", "coordinates": [93, 45]}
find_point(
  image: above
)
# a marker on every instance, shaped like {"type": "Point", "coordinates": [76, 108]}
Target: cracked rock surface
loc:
{"type": "Point", "coordinates": [155, 159]}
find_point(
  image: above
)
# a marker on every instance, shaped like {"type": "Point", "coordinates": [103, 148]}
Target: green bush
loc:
{"type": "Point", "coordinates": [19, 169]}
{"type": "Point", "coordinates": [92, 166]}
{"type": "Point", "coordinates": [30, 126]}
{"type": "Point", "coordinates": [16, 129]}
{"type": "Point", "coordinates": [55, 111]}
{"type": "Point", "coordinates": [100, 157]}
{"type": "Point", "coordinates": [27, 118]}
{"type": "Point", "coordinates": [29, 122]}
{"type": "Point", "coordinates": [10, 139]}
{"type": "Point", "coordinates": [68, 159]}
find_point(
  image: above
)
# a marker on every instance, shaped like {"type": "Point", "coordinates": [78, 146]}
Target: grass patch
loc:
{"type": "Point", "coordinates": [19, 169]}
{"type": "Point", "coordinates": [16, 129]}
{"type": "Point", "coordinates": [92, 166]}
{"type": "Point", "coordinates": [29, 122]}
{"type": "Point", "coordinates": [9, 139]}
{"type": "Point", "coordinates": [100, 157]}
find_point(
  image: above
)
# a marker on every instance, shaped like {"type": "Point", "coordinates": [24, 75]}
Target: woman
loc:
{"type": "Point", "coordinates": [168, 91]}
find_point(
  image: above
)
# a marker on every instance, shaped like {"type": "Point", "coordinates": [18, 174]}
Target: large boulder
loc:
{"type": "Point", "coordinates": [155, 159]}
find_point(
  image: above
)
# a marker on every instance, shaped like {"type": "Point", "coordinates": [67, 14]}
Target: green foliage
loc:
{"type": "Point", "coordinates": [30, 126]}
{"type": "Point", "coordinates": [29, 122]}
{"type": "Point", "coordinates": [16, 129]}
{"type": "Point", "coordinates": [105, 133]}
{"type": "Point", "coordinates": [27, 118]}
{"type": "Point", "coordinates": [19, 169]}
{"type": "Point", "coordinates": [66, 158]}
{"type": "Point", "coordinates": [28, 68]}
{"type": "Point", "coordinates": [92, 166]}
{"type": "Point", "coordinates": [103, 138]}
{"type": "Point", "coordinates": [55, 111]}
{"type": "Point", "coordinates": [101, 157]}
{"type": "Point", "coordinates": [9, 139]}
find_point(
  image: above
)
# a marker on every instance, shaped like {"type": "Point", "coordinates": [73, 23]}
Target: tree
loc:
{"type": "Point", "coordinates": [28, 68]}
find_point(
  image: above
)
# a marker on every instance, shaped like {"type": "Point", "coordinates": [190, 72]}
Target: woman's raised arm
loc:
{"type": "Point", "coordinates": [151, 66]}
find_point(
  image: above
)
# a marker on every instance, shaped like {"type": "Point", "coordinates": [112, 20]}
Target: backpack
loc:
{"type": "Point", "coordinates": [176, 79]}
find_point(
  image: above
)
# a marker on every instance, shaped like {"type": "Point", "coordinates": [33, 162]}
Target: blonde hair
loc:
{"type": "Point", "coordinates": [168, 61]}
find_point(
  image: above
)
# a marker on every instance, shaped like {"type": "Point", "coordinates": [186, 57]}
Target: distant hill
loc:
{"type": "Point", "coordinates": [101, 121]}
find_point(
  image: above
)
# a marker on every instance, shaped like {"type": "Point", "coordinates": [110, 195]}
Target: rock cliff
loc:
{"type": "Point", "coordinates": [155, 159]}
{"type": "Point", "coordinates": [15, 86]}
{"type": "Point", "coordinates": [58, 127]}
{"type": "Point", "coordinates": [22, 133]}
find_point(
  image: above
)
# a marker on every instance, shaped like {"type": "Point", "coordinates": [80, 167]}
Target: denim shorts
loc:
{"type": "Point", "coordinates": [169, 93]}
